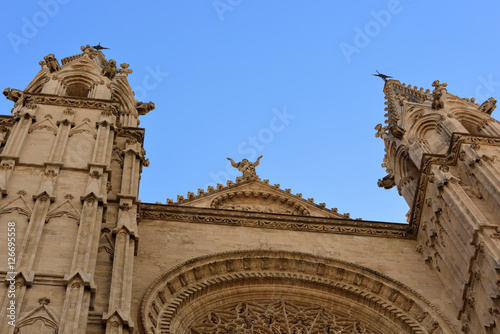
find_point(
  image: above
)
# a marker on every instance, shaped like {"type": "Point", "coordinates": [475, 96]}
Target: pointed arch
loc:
{"type": "Point", "coordinates": [36, 85]}
{"type": "Point", "coordinates": [471, 120]}
{"type": "Point", "coordinates": [180, 300]}
{"type": "Point", "coordinates": [122, 92]}
{"type": "Point", "coordinates": [425, 125]}
{"type": "Point", "coordinates": [78, 83]}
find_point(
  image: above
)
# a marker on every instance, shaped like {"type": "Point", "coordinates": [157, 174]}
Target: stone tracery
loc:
{"type": "Point", "coordinates": [273, 317]}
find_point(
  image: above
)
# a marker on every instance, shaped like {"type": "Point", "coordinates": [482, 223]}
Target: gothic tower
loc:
{"type": "Point", "coordinates": [442, 153]}
{"type": "Point", "coordinates": [71, 158]}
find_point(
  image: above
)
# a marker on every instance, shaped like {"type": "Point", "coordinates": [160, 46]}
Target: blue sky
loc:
{"type": "Point", "coordinates": [290, 80]}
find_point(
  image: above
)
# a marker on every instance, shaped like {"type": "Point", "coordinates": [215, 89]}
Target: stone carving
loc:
{"type": "Point", "coordinates": [387, 182]}
{"type": "Point", "coordinates": [271, 317]}
{"type": "Point", "coordinates": [39, 320]}
{"type": "Point", "coordinates": [381, 131]}
{"type": "Point", "coordinates": [110, 69]}
{"type": "Point", "coordinates": [219, 285]}
{"type": "Point", "coordinates": [125, 69]}
{"type": "Point", "coordinates": [52, 63]}
{"type": "Point", "coordinates": [247, 168]}
{"type": "Point", "coordinates": [258, 202]}
{"type": "Point", "coordinates": [143, 108]}
{"type": "Point", "coordinates": [450, 160]}
{"type": "Point", "coordinates": [299, 223]}
{"type": "Point", "coordinates": [137, 134]}
{"type": "Point", "coordinates": [87, 49]}
{"type": "Point", "coordinates": [396, 131]}
{"type": "Point", "coordinates": [488, 106]}
{"type": "Point", "coordinates": [70, 102]}
{"type": "Point", "coordinates": [12, 94]}
{"type": "Point", "coordinates": [438, 93]}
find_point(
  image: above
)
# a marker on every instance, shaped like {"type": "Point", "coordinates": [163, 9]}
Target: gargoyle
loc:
{"type": "Point", "coordinates": [488, 106]}
{"type": "Point", "coordinates": [12, 94]}
{"type": "Point", "coordinates": [110, 69]}
{"type": "Point", "coordinates": [387, 182]}
{"type": "Point", "coordinates": [52, 63]}
{"type": "Point", "coordinates": [396, 131]}
{"type": "Point", "coordinates": [143, 108]}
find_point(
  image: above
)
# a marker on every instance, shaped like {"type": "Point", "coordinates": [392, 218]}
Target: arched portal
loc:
{"type": "Point", "coordinates": [262, 291]}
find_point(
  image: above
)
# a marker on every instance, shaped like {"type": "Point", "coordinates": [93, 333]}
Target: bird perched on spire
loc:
{"type": "Point", "coordinates": [383, 76]}
{"type": "Point", "coordinates": [98, 47]}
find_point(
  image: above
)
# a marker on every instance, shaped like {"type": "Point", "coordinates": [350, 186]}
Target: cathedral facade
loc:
{"type": "Point", "coordinates": [81, 253]}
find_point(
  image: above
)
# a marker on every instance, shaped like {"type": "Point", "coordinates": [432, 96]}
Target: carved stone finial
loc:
{"type": "Point", "coordinates": [87, 49]}
{"type": "Point", "coordinates": [110, 69]}
{"type": "Point", "coordinates": [12, 94]}
{"type": "Point", "coordinates": [488, 106]}
{"type": "Point", "coordinates": [124, 69]}
{"type": "Point", "coordinates": [68, 111]}
{"type": "Point", "coordinates": [43, 301]}
{"type": "Point", "coordinates": [143, 108]}
{"type": "Point", "coordinates": [438, 93]}
{"type": "Point", "coordinates": [247, 168]}
{"type": "Point", "coordinates": [381, 131]}
{"type": "Point", "coordinates": [52, 63]}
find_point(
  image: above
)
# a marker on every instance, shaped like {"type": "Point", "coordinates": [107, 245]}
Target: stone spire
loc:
{"type": "Point", "coordinates": [441, 154]}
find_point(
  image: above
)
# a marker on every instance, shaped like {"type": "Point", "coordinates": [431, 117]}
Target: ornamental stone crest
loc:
{"type": "Point", "coordinates": [247, 168]}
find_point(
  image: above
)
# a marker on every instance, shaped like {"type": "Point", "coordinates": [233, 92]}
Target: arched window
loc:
{"type": "Point", "coordinates": [77, 90]}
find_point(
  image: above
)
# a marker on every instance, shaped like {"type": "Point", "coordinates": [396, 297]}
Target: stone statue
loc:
{"type": "Point", "coordinates": [488, 106]}
{"type": "Point", "coordinates": [247, 168]}
{"type": "Point", "coordinates": [438, 93]}
{"type": "Point", "coordinates": [12, 94]}
{"type": "Point", "coordinates": [52, 63]}
{"type": "Point", "coordinates": [143, 108]}
{"type": "Point", "coordinates": [110, 69]}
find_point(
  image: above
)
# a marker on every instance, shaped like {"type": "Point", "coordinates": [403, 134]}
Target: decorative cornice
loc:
{"type": "Point", "coordinates": [72, 102]}
{"type": "Point", "coordinates": [7, 120]}
{"type": "Point", "coordinates": [448, 159]}
{"type": "Point", "coordinates": [274, 221]}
